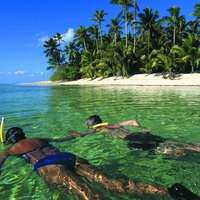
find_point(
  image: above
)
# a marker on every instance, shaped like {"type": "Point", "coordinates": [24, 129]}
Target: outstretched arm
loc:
{"type": "Point", "coordinates": [73, 134]}
{"type": "Point", "coordinates": [3, 156]}
{"type": "Point", "coordinates": [133, 122]}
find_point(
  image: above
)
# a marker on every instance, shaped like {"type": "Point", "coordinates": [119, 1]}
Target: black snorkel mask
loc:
{"type": "Point", "coordinates": [14, 135]}
{"type": "Point", "coordinates": [93, 120]}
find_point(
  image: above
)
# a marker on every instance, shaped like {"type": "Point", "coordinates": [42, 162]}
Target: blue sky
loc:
{"type": "Point", "coordinates": [26, 24]}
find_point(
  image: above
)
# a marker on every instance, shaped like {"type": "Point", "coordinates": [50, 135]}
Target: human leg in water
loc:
{"type": "Point", "coordinates": [95, 175]}
{"type": "Point", "coordinates": [194, 147]}
{"type": "Point", "coordinates": [59, 177]}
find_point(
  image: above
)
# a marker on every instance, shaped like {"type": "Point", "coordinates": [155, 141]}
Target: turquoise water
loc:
{"type": "Point", "coordinates": [50, 111]}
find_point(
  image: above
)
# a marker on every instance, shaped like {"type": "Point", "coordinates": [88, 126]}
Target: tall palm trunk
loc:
{"type": "Point", "coordinates": [84, 43]}
{"type": "Point", "coordinates": [126, 29]}
{"type": "Point", "coordinates": [174, 35]}
{"type": "Point", "coordinates": [134, 29]}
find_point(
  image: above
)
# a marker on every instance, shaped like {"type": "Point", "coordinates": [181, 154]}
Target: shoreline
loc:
{"type": "Point", "coordinates": [135, 80]}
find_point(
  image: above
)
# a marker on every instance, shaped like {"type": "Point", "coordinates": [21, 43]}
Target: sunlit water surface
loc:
{"type": "Point", "coordinates": [50, 111]}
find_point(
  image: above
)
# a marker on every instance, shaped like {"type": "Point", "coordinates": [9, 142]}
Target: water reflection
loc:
{"type": "Point", "coordinates": [49, 111]}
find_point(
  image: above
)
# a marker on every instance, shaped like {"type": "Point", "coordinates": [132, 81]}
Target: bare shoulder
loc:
{"type": "Point", "coordinates": [26, 145]}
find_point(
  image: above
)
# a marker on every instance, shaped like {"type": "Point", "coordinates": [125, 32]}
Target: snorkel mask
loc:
{"type": "Point", "coordinates": [14, 135]}
{"type": "Point", "coordinates": [93, 120]}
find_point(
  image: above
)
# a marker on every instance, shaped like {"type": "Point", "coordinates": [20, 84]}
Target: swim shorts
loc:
{"type": "Point", "coordinates": [144, 141]}
{"type": "Point", "coordinates": [64, 158]}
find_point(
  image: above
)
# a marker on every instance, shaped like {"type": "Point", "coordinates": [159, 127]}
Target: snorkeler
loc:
{"type": "Point", "coordinates": [140, 140]}
{"type": "Point", "coordinates": [64, 170]}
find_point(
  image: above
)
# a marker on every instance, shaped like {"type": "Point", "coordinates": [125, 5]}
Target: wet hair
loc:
{"type": "Point", "coordinates": [93, 120]}
{"type": "Point", "coordinates": [14, 135]}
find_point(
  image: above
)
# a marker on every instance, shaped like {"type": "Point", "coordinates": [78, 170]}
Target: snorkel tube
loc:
{"type": "Point", "coordinates": [94, 122]}
{"type": "Point", "coordinates": [2, 130]}
{"type": "Point", "coordinates": [99, 125]}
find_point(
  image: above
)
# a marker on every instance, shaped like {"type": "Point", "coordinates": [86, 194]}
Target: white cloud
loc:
{"type": "Point", "coordinates": [26, 74]}
{"type": "Point", "coordinates": [21, 76]}
{"type": "Point", "coordinates": [20, 72]}
{"type": "Point", "coordinates": [69, 35]}
{"type": "Point", "coordinates": [42, 39]}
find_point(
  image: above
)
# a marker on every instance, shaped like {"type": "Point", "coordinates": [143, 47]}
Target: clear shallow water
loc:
{"type": "Point", "coordinates": [50, 111]}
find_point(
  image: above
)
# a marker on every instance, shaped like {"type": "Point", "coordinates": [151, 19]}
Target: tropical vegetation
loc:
{"type": "Point", "coordinates": [135, 42]}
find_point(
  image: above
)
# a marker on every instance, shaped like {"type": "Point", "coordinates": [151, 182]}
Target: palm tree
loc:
{"type": "Point", "coordinates": [129, 20]}
{"type": "Point", "coordinates": [56, 58]}
{"type": "Point", "coordinates": [88, 64]}
{"type": "Point", "coordinates": [126, 4]}
{"type": "Point", "coordinates": [189, 51]}
{"type": "Point", "coordinates": [51, 46]}
{"type": "Point", "coordinates": [99, 18]}
{"type": "Point", "coordinates": [54, 61]}
{"type": "Point", "coordinates": [73, 54]}
{"type": "Point", "coordinates": [196, 13]}
{"type": "Point", "coordinates": [94, 33]}
{"type": "Point", "coordinates": [122, 58]}
{"type": "Point", "coordinates": [59, 39]}
{"type": "Point", "coordinates": [174, 21]}
{"type": "Point", "coordinates": [166, 62]}
{"type": "Point", "coordinates": [149, 62]}
{"type": "Point", "coordinates": [81, 36]}
{"type": "Point", "coordinates": [115, 30]}
{"type": "Point", "coordinates": [136, 8]}
{"type": "Point", "coordinates": [148, 24]}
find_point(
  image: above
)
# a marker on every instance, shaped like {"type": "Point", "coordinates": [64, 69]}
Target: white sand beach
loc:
{"type": "Point", "coordinates": [137, 80]}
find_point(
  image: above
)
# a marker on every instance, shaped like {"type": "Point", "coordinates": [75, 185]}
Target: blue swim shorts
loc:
{"type": "Point", "coordinates": [64, 158]}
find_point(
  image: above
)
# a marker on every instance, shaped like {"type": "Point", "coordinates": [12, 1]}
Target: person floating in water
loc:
{"type": "Point", "coordinates": [65, 170]}
{"type": "Point", "coordinates": [140, 140]}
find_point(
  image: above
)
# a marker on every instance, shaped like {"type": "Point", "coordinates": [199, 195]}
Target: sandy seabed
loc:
{"type": "Point", "coordinates": [135, 80]}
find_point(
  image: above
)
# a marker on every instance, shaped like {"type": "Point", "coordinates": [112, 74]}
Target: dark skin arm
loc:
{"type": "Point", "coordinates": [108, 127]}
{"type": "Point", "coordinates": [105, 127]}
{"type": "Point", "coordinates": [73, 134]}
{"type": "Point", "coordinates": [3, 156]}
{"type": "Point", "coordinates": [76, 134]}
{"type": "Point", "coordinates": [99, 129]}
